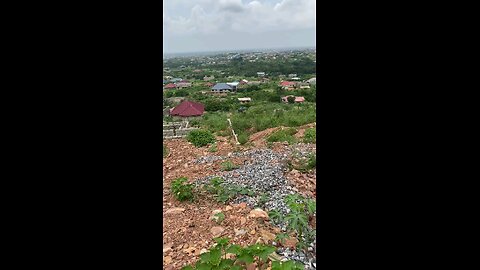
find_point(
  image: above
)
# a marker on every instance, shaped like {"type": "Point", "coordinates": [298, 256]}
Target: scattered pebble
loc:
{"type": "Point", "coordinates": [264, 173]}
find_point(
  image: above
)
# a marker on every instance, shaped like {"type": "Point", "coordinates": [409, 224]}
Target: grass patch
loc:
{"type": "Point", "coordinates": [242, 138]}
{"type": "Point", "coordinates": [182, 191]}
{"type": "Point", "coordinates": [310, 135]}
{"type": "Point", "coordinates": [283, 135]}
{"type": "Point", "coordinates": [200, 137]}
{"type": "Point", "coordinates": [258, 117]}
{"type": "Point", "coordinates": [213, 148]}
{"type": "Point", "coordinates": [228, 166]}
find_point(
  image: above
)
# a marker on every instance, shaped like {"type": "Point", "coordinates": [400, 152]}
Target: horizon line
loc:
{"type": "Point", "coordinates": [248, 49]}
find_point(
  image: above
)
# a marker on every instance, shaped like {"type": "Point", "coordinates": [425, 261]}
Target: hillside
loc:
{"type": "Point", "coordinates": [260, 175]}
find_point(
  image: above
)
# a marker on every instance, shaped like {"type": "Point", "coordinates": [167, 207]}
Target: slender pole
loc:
{"type": "Point", "coordinates": [233, 131]}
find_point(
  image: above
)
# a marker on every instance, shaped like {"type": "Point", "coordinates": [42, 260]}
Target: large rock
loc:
{"type": "Point", "coordinates": [239, 232]}
{"type": "Point", "coordinates": [174, 211]}
{"type": "Point", "coordinates": [258, 213]}
{"type": "Point", "coordinates": [217, 231]}
{"type": "Point", "coordinates": [267, 235]}
{"type": "Point", "coordinates": [243, 220]}
{"type": "Point", "coordinates": [167, 259]}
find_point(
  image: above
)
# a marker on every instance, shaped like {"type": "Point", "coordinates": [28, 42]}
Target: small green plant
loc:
{"type": "Point", "coordinates": [275, 215]}
{"type": "Point", "coordinates": [219, 217]}
{"type": "Point", "coordinates": [181, 191]}
{"type": "Point", "coordinates": [288, 265]}
{"type": "Point", "coordinates": [263, 199]}
{"type": "Point", "coordinates": [310, 164]}
{"type": "Point", "coordinates": [214, 185]}
{"type": "Point", "coordinates": [224, 193]}
{"type": "Point", "coordinates": [281, 238]}
{"type": "Point", "coordinates": [213, 148]}
{"type": "Point", "coordinates": [216, 257]}
{"type": "Point", "coordinates": [200, 137]}
{"type": "Point", "coordinates": [301, 209]}
{"type": "Point", "coordinates": [304, 165]}
{"type": "Point", "coordinates": [310, 135]}
{"type": "Point", "coordinates": [228, 166]}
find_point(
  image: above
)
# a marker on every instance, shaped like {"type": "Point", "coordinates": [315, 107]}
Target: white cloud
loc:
{"type": "Point", "coordinates": [223, 16]}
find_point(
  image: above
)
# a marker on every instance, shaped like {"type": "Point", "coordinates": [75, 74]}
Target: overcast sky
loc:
{"type": "Point", "coordinates": [216, 25]}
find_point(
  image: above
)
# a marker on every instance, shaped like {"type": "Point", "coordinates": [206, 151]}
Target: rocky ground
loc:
{"type": "Point", "coordinates": [189, 227]}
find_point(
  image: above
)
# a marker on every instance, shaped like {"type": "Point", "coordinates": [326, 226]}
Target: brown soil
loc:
{"type": "Point", "coordinates": [188, 231]}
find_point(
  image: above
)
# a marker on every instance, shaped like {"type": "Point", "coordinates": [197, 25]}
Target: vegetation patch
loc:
{"type": "Point", "coordinates": [310, 135]}
{"type": "Point", "coordinates": [228, 166]}
{"type": "Point", "coordinates": [242, 138]}
{"type": "Point", "coordinates": [223, 193]}
{"type": "Point", "coordinates": [216, 257]}
{"type": "Point", "coordinates": [302, 210]}
{"type": "Point", "coordinates": [182, 191]}
{"type": "Point", "coordinates": [213, 148]}
{"type": "Point", "coordinates": [283, 135]}
{"type": "Point", "coordinates": [200, 137]}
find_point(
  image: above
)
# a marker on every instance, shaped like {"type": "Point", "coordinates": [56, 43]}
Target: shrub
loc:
{"type": "Point", "coordinates": [228, 166]}
{"type": "Point", "coordinates": [224, 193]}
{"type": "Point", "coordinates": [283, 135]}
{"type": "Point", "coordinates": [216, 257]}
{"type": "Point", "coordinates": [181, 191]}
{"type": "Point", "coordinates": [301, 211]}
{"type": "Point", "coordinates": [200, 137]}
{"type": "Point", "coordinates": [312, 162]}
{"type": "Point", "coordinates": [242, 138]}
{"type": "Point", "coordinates": [310, 135]}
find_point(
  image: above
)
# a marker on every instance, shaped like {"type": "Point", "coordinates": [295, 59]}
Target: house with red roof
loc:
{"type": "Point", "coordinates": [170, 86]}
{"type": "Point", "coordinates": [287, 85]}
{"type": "Point", "coordinates": [188, 109]}
{"type": "Point", "coordinates": [297, 99]}
{"type": "Point", "coordinates": [184, 83]}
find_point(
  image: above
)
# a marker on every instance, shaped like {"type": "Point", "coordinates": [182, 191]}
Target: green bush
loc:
{"type": "Point", "coordinates": [228, 166]}
{"type": "Point", "coordinates": [224, 193]}
{"type": "Point", "coordinates": [200, 137]}
{"type": "Point", "coordinates": [301, 211]}
{"type": "Point", "coordinates": [181, 191]}
{"type": "Point", "coordinates": [216, 257]}
{"type": "Point", "coordinates": [283, 135]}
{"type": "Point", "coordinates": [242, 138]}
{"type": "Point", "coordinates": [311, 162]}
{"type": "Point", "coordinates": [310, 135]}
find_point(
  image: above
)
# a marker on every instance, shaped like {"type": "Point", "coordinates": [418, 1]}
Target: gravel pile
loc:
{"type": "Point", "coordinates": [263, 173]}
{"type": "Point", "coordinates": [308, 259]}
{"type": "Point", "coordinates": [207, 159]}
{"type": "Point", "coordinates": [302, 150]}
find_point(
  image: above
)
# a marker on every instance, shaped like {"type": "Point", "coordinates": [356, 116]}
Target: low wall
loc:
{"type": "Point", "coordinates": [177, 132]}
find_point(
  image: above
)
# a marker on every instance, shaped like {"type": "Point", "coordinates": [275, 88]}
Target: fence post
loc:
{"type": "Point", "coordinates": [233, 131]}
